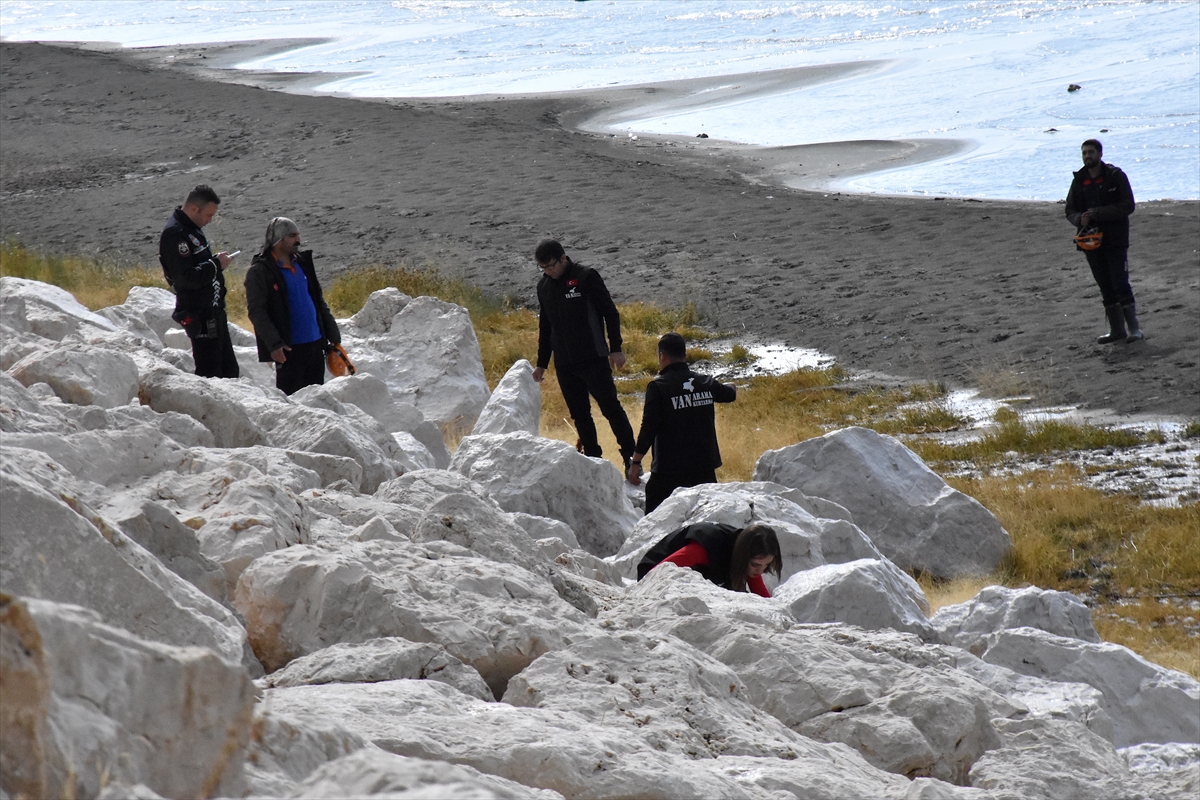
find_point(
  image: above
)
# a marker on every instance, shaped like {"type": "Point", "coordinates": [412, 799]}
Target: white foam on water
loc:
{"type": "Point", "coordinates": [992, 74]}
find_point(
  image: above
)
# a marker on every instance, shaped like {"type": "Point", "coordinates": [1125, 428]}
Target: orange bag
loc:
{"type": "Point", "coordinates": [1089, 239]}
{"type": "Point", "coordinates": [338, 362]}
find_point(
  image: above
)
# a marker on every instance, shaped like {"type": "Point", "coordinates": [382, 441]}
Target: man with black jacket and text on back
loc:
{"type": "Point", "coordinates": [197, 277]}
{"type": "Point", "coordinates": [1100, 201]}
{"type": "Point", "coordinates": [679, 422]}
{"type": "Point", "coordinates": [575, 307]}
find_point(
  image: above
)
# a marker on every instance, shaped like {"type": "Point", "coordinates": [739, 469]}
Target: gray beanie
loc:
{"type": "Point", "coordinates": [277, 229]}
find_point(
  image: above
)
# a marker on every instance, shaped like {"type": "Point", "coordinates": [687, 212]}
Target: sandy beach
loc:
{"type": "Point", "coordinates": [99, 146]}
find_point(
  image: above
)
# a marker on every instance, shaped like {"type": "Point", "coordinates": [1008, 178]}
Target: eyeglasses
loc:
{"type": "Point", "coordinates": [551, 265]}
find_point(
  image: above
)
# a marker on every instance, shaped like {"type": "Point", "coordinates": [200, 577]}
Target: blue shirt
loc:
{"type": "Point", "coordinates": [300, 306]}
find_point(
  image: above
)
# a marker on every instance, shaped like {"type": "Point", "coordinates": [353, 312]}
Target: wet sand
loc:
{"type": "Point", "coordinates": [96, 147]}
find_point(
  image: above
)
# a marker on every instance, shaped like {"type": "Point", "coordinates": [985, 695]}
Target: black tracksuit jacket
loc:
{"type": "Point", "coordinates": [1110, 199]}
{"type": "Point", "coordinates": [679, 420]}
{"type": "Point", "coordinates": [190, 268]}
{"type": "Point", "coordinates": [574, 312]}
{"type": "Point", "coordinates": [267, 304]}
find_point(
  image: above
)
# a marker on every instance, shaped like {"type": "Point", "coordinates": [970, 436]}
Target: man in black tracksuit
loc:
{"type": "Point", "coordinates": [198, 279]}
{"type": "Point", "coordinates": [680, 423]}
{"type": "Point", "coordinates": [1101, 197]}
{"type": "Point", "coordinates": [293, 326]}
{"type": "Point", "coordinates": [575, 308]}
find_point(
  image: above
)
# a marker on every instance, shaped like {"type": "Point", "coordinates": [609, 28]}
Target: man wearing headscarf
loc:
{"type": "Point", "coordinates": [292, 324]}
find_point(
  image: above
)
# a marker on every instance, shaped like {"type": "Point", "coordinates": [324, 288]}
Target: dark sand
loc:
{"type": "Point", "coordinates": [97, 147]}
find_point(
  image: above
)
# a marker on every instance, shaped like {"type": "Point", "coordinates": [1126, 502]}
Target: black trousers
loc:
{"type": "Point", "coordinates": [213, 350]}
{"type": "Point", "coordinates": [661, 484]}
{"type": "Point", "coordinates": [594, 377]}
{"type": "Point", "coordinates": [305, 366]}
{"type": "Point", "coordinates": [1110, 269]}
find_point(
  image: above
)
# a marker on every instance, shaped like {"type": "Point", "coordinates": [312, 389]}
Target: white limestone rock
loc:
{"type": "Point", "coordinates": [16, 344]}
{"type": "Point", "coordinates": [112, 457]}
{"type": "Point", "coordinates": [148, 306]}
{"type": "Point", "coordinates": [834, 777]}
{"type": "Point", "coordinates": [869, 593]}
{"type": "Point", "coordinates": [515, 404]}
{"type": "Point", "coordinates": [45, 310]}
{"type": "Point", "coordinates": [385, 659]}
{"type": "Point", "coordinates": [371, 772]}
{"type": "Point", "coordinates": [87, 704]}
{"type": "Point", "coordinates": [913, 516]}
{"type": "Point", "coordinates": [55, 547]}
{"type": "Point", "coordinates": [1052, 759]}
{"type": "Point", "coordinates": [207, 401]}
{"type": "Point", "coordinates": [372, 395]}
{"type": "Point", "coordinates": [82, 374]}
{"type": "Point", "coordinates": [805, 541]}
{"type": "Point", "coordinates": [376, 315]}
{"type": "Point", "coordinates": [1165, 770]}
{"type": "Point", "coordinates": [174, 544]}
{"type": "Point", "coordinates": [1147, 703]}
{"type": "Point", "coordinates": [996, 608]}
{"type": "Point", "coordinates": [548, 478]}
{"type": "Point", "coordinates": [22, 411]}
{"type": "Point", "coordinates": [545, 528]}
{"type": "Point", "coordinates": [900, 703]}
{"type": "Point", "coordinates": [480, 526]}
{"type": "Point", "coordinates": [285, 751]}
{"type": "Point", "coordinates": [428, 357]}
{"type": "Point", "coordinates": [496, 617]}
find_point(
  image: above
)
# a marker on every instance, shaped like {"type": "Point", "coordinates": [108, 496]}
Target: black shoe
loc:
{"type": "Point", "coordinates": [1129, 311]}
{"type": "Point", "coordinates": [1116, 325]}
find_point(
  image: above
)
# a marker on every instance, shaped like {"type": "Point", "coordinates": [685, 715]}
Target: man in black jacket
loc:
{"type": "Point", "coordinates": [292, 324]}
{"type": "Point", "coordinates": [575, 307]}
{"type": "Point", "coordinates": [679, 421]}
{"type": "Point", "coordinates": [198, 279]}
{"type": "Point", "coordinates": [1101, 198]}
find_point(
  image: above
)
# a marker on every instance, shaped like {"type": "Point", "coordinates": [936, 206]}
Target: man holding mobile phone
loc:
{"type": "Point", "coordinates": [197, 277]}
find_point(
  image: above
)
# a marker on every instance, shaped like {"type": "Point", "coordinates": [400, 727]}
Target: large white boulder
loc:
{"type": "Point", "coordinates": [869, 593]}
{"type": "Point", "coordinates": [913, 516]}
{"type": "Point", "coordinates": [175, 545]}
{"type": "Point", "coordinates": [385, 659]}
{"type": "Point", "coordinates": [150, 306]}
{"type": "Point", "coordinates": [996, 608]}
{"type": "Point", "coordinates": [548, 478]}
{"type": "Point", "coordinates": [55, 547]}
{"type": "Point", "coordinates": [1053, 759]}
{"type": "Point", "coordinates": [515, 404]}
{"type": "Point", "coordinates": [86, 704]}
{"type": "Point", "coordinates": [1147, 703]}
{"type": "Point", "coordinates": [428, 355]}
{"type": "Point", "coordinates": [204, 400]}
{"type": "Point", "coordinates": [46, 310]}
{"type": "Point", "coordinates": [1165, 770]}
{"type": "Point", "coordinates": [82, 374]}
{"type": "Point", "coordinates": [496, 617]}
{"type": "Point", "coordinates": [372, 395]}
{"type": "Point", "coordinates": [805, 540]}
{"type": "Point", "coordinates": [371, 772]}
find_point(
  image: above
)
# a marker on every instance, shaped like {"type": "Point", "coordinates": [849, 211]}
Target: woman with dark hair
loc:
{"type": "Point", "coordinates": [733, 558]}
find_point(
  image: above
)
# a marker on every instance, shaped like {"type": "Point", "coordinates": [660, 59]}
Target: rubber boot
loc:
{"type": "Point", "coordinates": [1116, 325]}
{"type": "Point", "coordinates": [1131, 321]}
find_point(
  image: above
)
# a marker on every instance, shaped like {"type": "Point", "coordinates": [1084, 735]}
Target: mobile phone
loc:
{"type": "Point", "coordinates": [235, 253]}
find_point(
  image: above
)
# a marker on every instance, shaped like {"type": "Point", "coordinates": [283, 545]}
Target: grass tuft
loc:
{"type": "Point", "coordinates": [95, 283]}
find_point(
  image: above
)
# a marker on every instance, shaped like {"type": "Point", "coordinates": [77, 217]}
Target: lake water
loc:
{"type": "Point", "coordinates": [992, 74]}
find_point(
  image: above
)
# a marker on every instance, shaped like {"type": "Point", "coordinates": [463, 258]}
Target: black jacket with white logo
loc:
{"type": "Point", "coordinates": [679, 421]}
{"type": "Point", "coordinates": [1110, 199]}
{"type": "Point", "coordinates": [190, 267]}
{"type": "Point", "coordinates": [575, 309]}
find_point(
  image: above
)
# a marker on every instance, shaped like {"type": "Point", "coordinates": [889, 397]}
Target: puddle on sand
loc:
{"type": "Point", "coordinates": [1160, 473]}
{"type": "Point", "coordinates": [1166, 473]}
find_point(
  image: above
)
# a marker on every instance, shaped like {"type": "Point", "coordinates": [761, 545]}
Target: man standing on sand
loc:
{"type": "Point", "coordinates": [680, 423]}
{"type": "Point", "coordinates": [1101, 199]}
{"type": "Point", "coordinates": [198, 280]}
{"type": "Point", "coordinates": [292, 324]}
{"type": "Point", "coordinates": [575, 307]}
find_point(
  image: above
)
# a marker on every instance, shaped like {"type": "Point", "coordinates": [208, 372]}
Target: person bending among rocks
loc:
{"type": "Point", "coordinates": [1101, 198]}
{"type": "Point", "coordinates": [574, 309]}
{"type": "Point", "coordinates": [678, 421]}
{"type": "Point", "coordinates": [732, 558]}
{"type": "Point", "coordinates": [197, 277]}
{"type": "Point", "coordinates": [292, 324]}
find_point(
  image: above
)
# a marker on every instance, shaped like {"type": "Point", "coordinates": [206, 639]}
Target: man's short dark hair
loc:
{"type": "Point", "coordinates": [1094, 143]}
{"type": "Point", "coordinates": [548, 250]}
{"type": "Point", "coordinates": [201, 195]}
{"type": "Point", "coordinates": [672, 346]}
